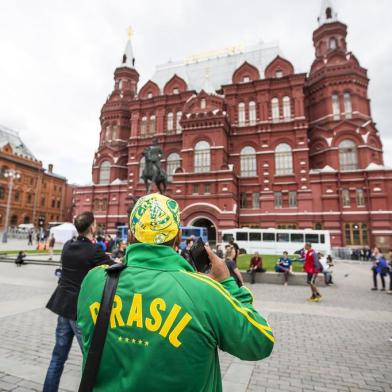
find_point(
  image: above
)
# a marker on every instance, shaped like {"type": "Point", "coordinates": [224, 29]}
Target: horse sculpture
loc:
{"type": "Point", "coordinates": [152, 172]}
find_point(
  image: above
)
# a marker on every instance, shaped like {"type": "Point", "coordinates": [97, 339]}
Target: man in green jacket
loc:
{"type": "Point", "coordinates": [167, 320]}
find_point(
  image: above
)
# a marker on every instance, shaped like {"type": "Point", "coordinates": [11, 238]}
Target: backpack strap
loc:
{"type": "Point", "coordinates": [95, 351]}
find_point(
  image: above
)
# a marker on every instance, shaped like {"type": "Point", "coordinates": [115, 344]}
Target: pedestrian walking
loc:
{"type": "Point", "coordinates": [167, 321]}
{"type": "Point", "coordinates": [51, 244]}
{"type": "Point", "coordinates": [78, 258]}
{"type": "Point", "coordinates": [390, 271]}
{"type": "Point", "coordinates": [380, 267]}
{"type": "Point", "coordinates": [312, 267]}
{"type": "Point", "coordinates": [30, 237]}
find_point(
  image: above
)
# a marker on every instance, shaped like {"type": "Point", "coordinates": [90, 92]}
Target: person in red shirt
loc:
{"type": "Point", "coordinates": [256, 265]}
{"type": "Point", "coordinates": [312, 268]}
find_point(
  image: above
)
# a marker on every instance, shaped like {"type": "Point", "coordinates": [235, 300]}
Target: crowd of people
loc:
{"type": "Point", "coordinates": [157, 295]}
{"type": "Point", "coordinates": [364, 254]}
{"type": "Point", "coordinates": [159, 312]}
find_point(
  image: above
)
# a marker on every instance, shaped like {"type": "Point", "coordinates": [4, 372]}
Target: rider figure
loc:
{"type": "Point", "coordinates": [154, 154]}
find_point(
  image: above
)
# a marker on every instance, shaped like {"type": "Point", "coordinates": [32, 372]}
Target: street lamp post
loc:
{"type": "Point", "coordinates": [11, 175]}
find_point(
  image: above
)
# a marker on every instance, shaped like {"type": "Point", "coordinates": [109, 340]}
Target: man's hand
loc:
{"type": "Point", "coordinates": [219, 270]}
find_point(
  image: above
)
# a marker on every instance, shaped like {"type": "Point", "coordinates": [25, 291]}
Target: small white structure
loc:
{"type": "Point", "coordinates": [64, 232]}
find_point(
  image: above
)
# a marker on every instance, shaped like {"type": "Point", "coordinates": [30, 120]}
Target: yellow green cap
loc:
{"type": "Point", "coordinates": [155, 219]}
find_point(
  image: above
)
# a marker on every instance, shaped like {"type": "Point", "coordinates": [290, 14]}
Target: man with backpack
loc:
{"type": "Point", "coordinates": [312, 267]}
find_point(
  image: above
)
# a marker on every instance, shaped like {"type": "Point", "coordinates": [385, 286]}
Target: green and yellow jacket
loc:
{"type": "Point", "coordinates": [167, 322]}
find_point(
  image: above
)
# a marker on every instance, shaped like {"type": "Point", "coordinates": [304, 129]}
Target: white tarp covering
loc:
{"type": "Point", "coordinates": [64, 232]}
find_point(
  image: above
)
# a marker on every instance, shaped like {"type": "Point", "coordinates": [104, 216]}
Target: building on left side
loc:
{"type": "Point", "coordinates": [38, 195]}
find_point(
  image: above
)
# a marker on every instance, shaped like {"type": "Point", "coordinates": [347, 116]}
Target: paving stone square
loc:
{"type": "Point", "coordinates": [339, 344]}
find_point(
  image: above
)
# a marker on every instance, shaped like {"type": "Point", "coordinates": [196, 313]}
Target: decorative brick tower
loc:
{"type": "Point", "coordinates": [345, 150]}
{"type": "Point", "coordinates": [337, 101]}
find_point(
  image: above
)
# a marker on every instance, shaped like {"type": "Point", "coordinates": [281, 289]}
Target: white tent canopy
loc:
{"type": "Point", "coordinates": [64, 232]}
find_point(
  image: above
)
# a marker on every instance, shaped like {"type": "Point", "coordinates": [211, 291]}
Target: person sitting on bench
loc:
{"type": "Point", "coordinates": [284, 265]}
{"type": "Point", "coordinates": [256, 265]}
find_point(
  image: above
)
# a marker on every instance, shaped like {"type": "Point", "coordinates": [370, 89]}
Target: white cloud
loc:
{"type": "Point", "coordinates": [58, 58]}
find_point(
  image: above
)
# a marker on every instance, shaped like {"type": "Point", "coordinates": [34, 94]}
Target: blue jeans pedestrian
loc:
{"type": "Point", "coordinates": [65, 331]}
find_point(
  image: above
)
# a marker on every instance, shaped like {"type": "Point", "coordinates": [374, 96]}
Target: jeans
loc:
{"type": "Point", "coordinates": [390, 279]}
{"type": "Point", "coordinates": [65, 331]}
{"type": "Point", "coordinates": [327, 277]}
{"type": "Point", "coordinates": [285, 271]}
{"type": "Point", "coordinates": [253, 274]}
{"type": "Point", "coordinates": [375, 279]}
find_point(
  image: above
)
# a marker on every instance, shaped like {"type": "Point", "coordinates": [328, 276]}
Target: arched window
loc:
{"type": "Point", "coordinates": [328, 13]}
{"type": "Point", "coordinates": [347, 105]}
{"type": "Point", "coordinates": [178, 118]}
{"type": "Point", "coordinates": [275, 109]}
{"type": "Point", "coordinates": [142, 165]}
{"type": "Point", "coordinates": [203, 103]}
{"type": "Point", "coordinates": [114, 133]}
{"type": "Point", "coordinates": [335, 107]}
{"type": "Point", "coordinates": [279, 74]}
{"type": "Point", "coordinates": [151, 128]}
{"type": "Point", "coordinates": [283, 159]}
{"type": "Point", "coordinates": [252, 112]}
{"type": "Point", "coordinates": [348, 155]}
{"type": "Point", "coordinates": [286, 108]}
{"type": "Point", "coordinates": [143, 126]}
{"type": "Point", "coordinates": [333, 44]}
{"type": "Point", "coordinates": [241, 114]}
{"type": "Point", "coordinates": [104, 173]}
{"type": "Point", "coordinates": [120, 84]}
{"type": "Point", "coordinates": [202, 157]}
{"type": "Point", "coordinates": [107, 133]}
{"type": "Point", "coordinates": [248, 162]}
{"type": "Point", "coordinates": [170, 122]}
{"type": "Point", "coordinates": [173, 162]}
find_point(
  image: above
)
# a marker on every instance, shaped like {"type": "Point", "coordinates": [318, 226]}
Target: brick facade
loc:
{"type": "Point", "coordinates": [39, 196]}
{"type": "Point", "coordinates": [285, 149]}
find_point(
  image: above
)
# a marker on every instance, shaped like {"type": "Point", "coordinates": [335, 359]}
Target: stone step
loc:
{"type": "Point", "coordinates": [295, 279]}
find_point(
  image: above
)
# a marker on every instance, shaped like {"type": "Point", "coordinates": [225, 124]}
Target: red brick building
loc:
{"type": "Point", "coordinates": [39, 195]}
{"type": "Point", "coordinates": [250, 142]}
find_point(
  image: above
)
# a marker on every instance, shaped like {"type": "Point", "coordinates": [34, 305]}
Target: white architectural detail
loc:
{"type": "Point", "coordinates": [375, 166]}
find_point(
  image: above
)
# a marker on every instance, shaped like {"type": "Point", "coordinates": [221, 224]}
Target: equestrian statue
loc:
{"type": "Point", "coordinates": [152, 172]}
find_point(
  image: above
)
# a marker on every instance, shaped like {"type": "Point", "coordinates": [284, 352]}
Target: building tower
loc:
{"type": "Point", "coordinates": [109, 171]}
{"type": "Point", "coordinates": [342, 133]}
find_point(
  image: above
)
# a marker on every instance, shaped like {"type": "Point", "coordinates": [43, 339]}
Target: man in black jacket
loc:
{"type": "Point", "coordinates": [78, 258]}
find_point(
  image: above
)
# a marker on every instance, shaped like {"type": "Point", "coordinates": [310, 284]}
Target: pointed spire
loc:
{"type": "Point", "coordinates": [327, 13]}
{"type": "Point", "coordinates": [128, 60]}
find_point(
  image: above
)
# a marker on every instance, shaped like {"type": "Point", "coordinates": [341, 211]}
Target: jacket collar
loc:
{"type": "Point", "coordinates": [159, 257]}
{"type": "Point", "coordinates": [82, 238]}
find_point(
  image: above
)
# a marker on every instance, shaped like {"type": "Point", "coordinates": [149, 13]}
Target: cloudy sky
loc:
{"type": "Point", "coordinates": [57, 58]}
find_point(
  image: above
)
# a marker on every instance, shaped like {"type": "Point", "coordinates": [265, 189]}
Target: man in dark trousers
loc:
{"type": "Point", "coordinates": [312, 268]}
{"type": "Point", "coordinates": [78, 258]}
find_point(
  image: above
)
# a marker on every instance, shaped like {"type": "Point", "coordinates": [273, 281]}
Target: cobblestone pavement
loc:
{"type": "Point", "coordinates": [339, 344]}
